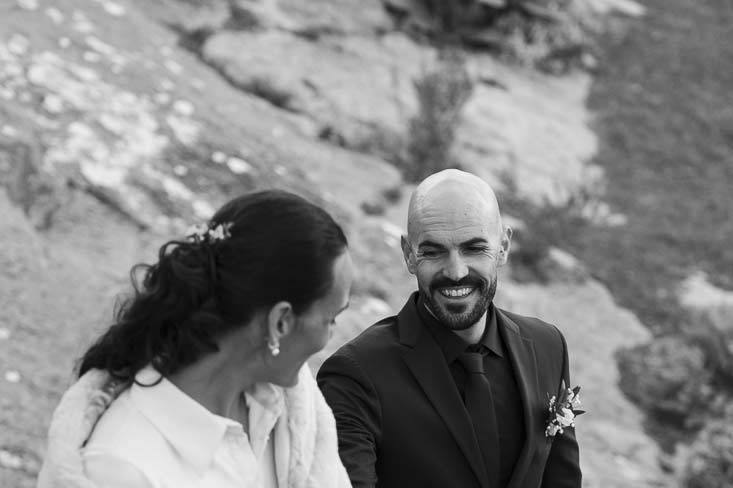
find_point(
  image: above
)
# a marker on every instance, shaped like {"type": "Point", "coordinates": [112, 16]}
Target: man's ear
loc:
{"type": "Point", "coordinates": [408, 255]}
{"type": "Point", "coordinates": [280, 322]}
{"type": "Point", "coordinates": [506, 244]}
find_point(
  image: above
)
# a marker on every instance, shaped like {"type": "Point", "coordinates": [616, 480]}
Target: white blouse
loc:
{"type": "Point", "coordinates": [159, 437]}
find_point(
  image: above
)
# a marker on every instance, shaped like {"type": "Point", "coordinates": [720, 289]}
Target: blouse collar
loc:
{"type": "Point", "coordinates": [192, 430]}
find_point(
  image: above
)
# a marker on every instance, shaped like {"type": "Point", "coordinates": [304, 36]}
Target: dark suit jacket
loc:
{"type": "Point", "coordinates": [401, 421]}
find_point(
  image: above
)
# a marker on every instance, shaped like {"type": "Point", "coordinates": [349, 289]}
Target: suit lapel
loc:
{"type": "Point", "coordinates": [524, 362]}
{"type": "Point", "coordinates": [425, 360]}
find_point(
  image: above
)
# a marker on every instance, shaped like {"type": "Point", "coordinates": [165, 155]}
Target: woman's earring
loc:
{"type": "Point", "coordinates": [273, 346]}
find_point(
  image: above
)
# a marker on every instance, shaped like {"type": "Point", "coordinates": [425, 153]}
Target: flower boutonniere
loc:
{"type": "Point", "coordinates": [562, 411]}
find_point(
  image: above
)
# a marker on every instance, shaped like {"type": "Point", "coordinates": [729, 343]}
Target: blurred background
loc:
{"type": "Point", "coordinates": [606, 127]}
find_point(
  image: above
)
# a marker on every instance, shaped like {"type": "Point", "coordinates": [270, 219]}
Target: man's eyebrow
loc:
{"type": "Point", "coordinates": [430, 244]}
{"type": "Point", "coordinates": [475, 240]}
{"type": "Point", "coordinates": [470, 242]}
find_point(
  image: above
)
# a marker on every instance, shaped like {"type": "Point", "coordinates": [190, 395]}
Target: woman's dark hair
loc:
{"type": "Point", "coordinates": [280, 247]}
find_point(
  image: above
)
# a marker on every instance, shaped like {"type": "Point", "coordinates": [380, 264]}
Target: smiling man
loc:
{"type": "Point", "coordinates": [454, 246]}
{"type": "Point", "coordinates": [453, 391]}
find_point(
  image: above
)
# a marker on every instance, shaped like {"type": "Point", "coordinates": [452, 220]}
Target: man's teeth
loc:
{"type": "Point", "coordinates": [456, 292]}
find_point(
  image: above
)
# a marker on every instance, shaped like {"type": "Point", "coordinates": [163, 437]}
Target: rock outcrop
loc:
{"type": "Point", "coordinates": [122, 123]}
{"type": "Point", "coordinates": [616, 452]}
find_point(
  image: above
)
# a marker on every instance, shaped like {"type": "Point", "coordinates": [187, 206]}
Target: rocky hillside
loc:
{"type": "Point", "coordinates": [121, 122]}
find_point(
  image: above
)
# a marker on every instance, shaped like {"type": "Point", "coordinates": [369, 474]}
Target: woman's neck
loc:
{"type": "Point", "coordinates": [218, 384]}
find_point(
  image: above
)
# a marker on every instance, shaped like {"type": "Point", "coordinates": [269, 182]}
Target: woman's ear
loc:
{"type": "Point", "coordinates": [280, 324]}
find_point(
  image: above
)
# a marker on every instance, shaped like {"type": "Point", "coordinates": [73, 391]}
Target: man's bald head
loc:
{"type": "Point", "coordinates": [453, 193]}
{"type": "Point", "coordinates": [455, 245]}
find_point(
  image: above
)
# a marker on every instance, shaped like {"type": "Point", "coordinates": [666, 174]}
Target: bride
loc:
{"type": "Point", "coordinates": [202, 378]}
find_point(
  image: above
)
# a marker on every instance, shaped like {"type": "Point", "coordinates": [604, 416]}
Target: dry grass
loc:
{"type": "Point", "coordinates": [664, 118]}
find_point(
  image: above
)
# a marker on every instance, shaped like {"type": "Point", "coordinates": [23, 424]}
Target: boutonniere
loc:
{"type": "Point", "coordinates": [562, 411]}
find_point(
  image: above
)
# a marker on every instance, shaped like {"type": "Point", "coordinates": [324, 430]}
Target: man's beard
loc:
{"type": "Point", "coordinates": [457, 316]}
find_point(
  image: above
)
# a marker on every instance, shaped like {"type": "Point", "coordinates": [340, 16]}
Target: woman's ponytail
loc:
{"type": "Point", "coordinates": [169, 319]}
{"type": "Point", "coordinates": [258, 249]}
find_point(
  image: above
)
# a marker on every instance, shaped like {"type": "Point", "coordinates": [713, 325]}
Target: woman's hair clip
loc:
{"type": "Point", "coordinates": [206, 233]}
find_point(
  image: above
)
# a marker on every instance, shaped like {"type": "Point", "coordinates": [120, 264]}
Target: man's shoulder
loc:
{"type": "Point", "coordinates": [379, 340]}
{"type": "Point", "coordinates": [380, 335]}
{"type": "Point", "coordinates": [550, 349]}
{"type": "Point", "coordinates": [533, 327]}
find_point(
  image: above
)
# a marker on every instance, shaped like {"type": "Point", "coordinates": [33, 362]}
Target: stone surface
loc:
{"type": "Point", "coordinates": [703, 298]}
{"type": "Point", "coordinates": [530, 129]}
{"type": "Point", "coordinates": [563, 266]}
{"type": "Point", "coordinates": [626, 7]}
{"type": "Point", "coordinates": [189, 17]}
{"type": "Point", "coordinates": [697, 292]}
{"type": "Point", "coordinates": [321, 77]}
{"type": "Point", "coordinates": [142, 134]}
{"type": "Point", "coordinates": [320, 17]}
{"type": "Point", "coordinates": [525, 127]}
{"type": "Point", "coordinates": [615, 452]}
{"type": "Point", "coordinates": [122, 135]}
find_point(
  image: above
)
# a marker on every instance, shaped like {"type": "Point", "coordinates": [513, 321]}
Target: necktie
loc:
{"type": "Point", "coordinates": [480, 407]}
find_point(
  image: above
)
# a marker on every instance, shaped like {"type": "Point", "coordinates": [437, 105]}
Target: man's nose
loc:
{"type": "Point", "coordinates": [455, 269]}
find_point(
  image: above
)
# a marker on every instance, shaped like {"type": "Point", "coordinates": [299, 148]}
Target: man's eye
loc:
{"type": "Point", "coordinates": [476, 249]}
{"type": "Point", "coordinates": [429, 253]}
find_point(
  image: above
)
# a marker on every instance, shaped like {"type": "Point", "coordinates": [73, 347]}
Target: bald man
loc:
{"type": "Point", "coordinates": [452, 391]}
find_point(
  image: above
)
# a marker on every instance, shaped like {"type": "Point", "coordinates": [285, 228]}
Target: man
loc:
{"type": "Point", "coordinates": [410, 395]}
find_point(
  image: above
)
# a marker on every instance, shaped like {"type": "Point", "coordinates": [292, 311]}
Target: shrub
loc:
{"type": "Point", "coordinates": [373, 207]}
{"type": "Point", "coordinates": [545, 226]}
{"type": "Point", "coordinates": [552, 34]}
{"type": "Point", "coordinates": [393, 194]}
{"type": "Point", "coordinates": [682, 380]}
{"type": "Point", "coordinates": [669, 377]}
{"type": "Point", "coordinates": [441, 95]}
{"type": "Point", "coordinates": [710, 464]}
{"type": "Point", "coordinates": [530, 250]}
{"type": "Point", "coordinates": [39, 193]}
{"type": "Point", "coordinates": [703, 328]}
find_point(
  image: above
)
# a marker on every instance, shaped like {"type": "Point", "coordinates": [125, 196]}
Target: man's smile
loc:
{"type": "Point", "coordinates": [456, 291]}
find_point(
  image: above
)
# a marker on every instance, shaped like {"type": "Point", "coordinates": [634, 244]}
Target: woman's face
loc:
{"type": "Point", "coordinates": [314, 327]}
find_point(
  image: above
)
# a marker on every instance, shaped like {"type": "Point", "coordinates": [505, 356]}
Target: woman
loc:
{"type": "Point", "coordinates": [213, 345]}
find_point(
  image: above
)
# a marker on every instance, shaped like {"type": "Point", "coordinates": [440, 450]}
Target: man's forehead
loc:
{"type": "Point", "coordinates": [456, 203]}
{"type": "Point", "coordinates": [454, 214]}
{"type": "Point", "coordinates": [452, 234]}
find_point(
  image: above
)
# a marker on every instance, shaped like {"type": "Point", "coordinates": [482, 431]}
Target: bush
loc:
{"type": "Point", "coordinates": [669, 378]}
{"type": "Point", "coordinates": [393, 194]}
{"type": "Point", "coordinates": [530, 252]}
{"type": "Point", "coordinates": [682, 380]}
{"type": "Point", "coordinates": [41, 194]}
{"type": "Point", "coordinates": [704, 331]}
{"type": "Point", "coordinates": [441, 95]}
{"type": "Point", "coordinates": [373, 207]}
{"type": "Point", "coordinates": [552, 34]}
{"type": "Point", "coordinates": [545, 226]}
{"type": "Point", "coordinates": [710, 464]}
{"type": "Point", "coordinates": [554, 46]}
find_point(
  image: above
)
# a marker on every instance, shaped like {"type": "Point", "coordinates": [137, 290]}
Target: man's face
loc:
{"type": "Point", "coordinates": [454, 251]}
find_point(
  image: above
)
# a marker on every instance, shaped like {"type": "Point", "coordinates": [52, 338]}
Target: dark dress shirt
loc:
{"type": "Point", "coordinates": [499, 372]}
